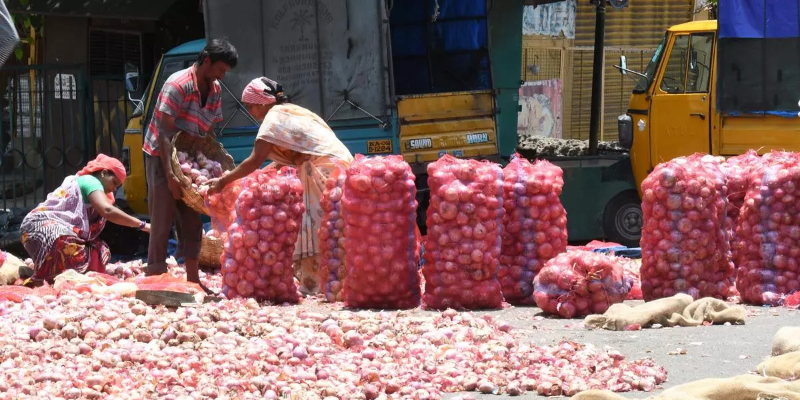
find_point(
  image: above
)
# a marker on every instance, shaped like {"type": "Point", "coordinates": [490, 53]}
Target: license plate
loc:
{"type": "Point", "coordinates": [475, 138]}
{"type": "Point", "coordinates": [379, 146]}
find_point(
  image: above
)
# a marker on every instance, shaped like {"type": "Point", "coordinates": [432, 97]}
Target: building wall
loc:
{"type": "Point", "coordinates": [551, 56]}
{"type": "Point", "coordinates": [66, 40]}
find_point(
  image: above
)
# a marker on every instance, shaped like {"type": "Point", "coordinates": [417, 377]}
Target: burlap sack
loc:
{"type": "Point", "coordinates": [9, 271]}
{"type": "Point", "coordinates": [785, 366]}
{"type": "Point", "coordinates": [678, 310]}
{"type": "Point", "coordinates": [744, 387]}
{"type": "Point", "coordinates": [786, 340]}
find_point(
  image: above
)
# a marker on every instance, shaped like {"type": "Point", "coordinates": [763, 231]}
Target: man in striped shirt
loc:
{"type": "Point", "coordinates": [190, 101]}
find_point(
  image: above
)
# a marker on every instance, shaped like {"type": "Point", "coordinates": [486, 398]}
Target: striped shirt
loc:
{"type": "Point", "coordinates": [180, 98]}
{"type": "Point", "coordinates": [8, 34]}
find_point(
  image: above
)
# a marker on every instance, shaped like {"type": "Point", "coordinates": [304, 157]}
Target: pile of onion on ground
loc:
{"type": "Point", "coordinates": [82, 345]}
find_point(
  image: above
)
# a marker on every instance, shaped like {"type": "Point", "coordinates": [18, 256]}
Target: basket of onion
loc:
{"type": "Point", "coordinates": [211, 248]}
{"type": "Point", "coordinates": [196, 160]}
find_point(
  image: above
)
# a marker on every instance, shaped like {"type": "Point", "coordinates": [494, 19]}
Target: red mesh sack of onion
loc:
{"type": "Point", "coordinates": [737, 172]}
{"type": "Point", "coordinates": [331, 237]}
{"type": "Point", "coordinates": [579, 283]}
{"type": "Point", "coordinates": [534, 225]}
{"type": "Point", "coordinates": [257, 261]}
{"type": "Point", "coordinates": [464, 221]}
{"type": "Point", "coordinates": [768, 232]}
{"type": "Point", "coordinates": [381, 236]}
{"type": "Point", "coordinates": [222, 206]}
{"type": "Point", "coordinates": [685, 247]}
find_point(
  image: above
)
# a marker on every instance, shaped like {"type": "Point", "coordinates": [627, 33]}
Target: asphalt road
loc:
{"type": "Point", "coordinates": [711, 351]}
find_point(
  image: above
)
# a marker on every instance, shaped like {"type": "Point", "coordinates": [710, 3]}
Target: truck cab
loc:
{"type": "Point", "coordinates": [675, 109]}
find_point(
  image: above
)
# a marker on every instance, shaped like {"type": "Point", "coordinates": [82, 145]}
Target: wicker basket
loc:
{"type": "Point", "coordinates": [210, 253]}
{"type": "Point", "coordinates": [212, 149]}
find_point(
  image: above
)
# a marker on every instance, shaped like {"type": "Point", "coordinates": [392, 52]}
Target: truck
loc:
{"type": "Point", "coordinates": [421, 79]}
{"type": "Point", "coordinates": [718, 87]}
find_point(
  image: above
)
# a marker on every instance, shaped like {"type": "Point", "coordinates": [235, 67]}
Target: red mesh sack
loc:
{"type": "Point", "coordinates": [632, 268]}
{"type": "Point", "coordinates": [257, 257]}
{"type": "Point", "coordinates": [164, 281]}
{"type": "Point", "coordinates": [465, 220]}
{"type": "Point", "coordinates": [331, 237]}
{"type": "Point", "coordinates": [737, 172]}
{"type": "Point", "coordinates": [768, 231]}
{"type": "Point", "coordinates": [222, 206]}
{"type": "Point", "coordinates": [534, 225]}
{"type": "Point", "coordinates": [685, 247]}
{"type": "Point", "coordinates": [580, 283]}
{"type": "Point", "coordinates": [381, 235]}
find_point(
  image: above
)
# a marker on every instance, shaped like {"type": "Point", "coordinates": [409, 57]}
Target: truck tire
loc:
{"type": "Point", "coordinates": [622, 219]}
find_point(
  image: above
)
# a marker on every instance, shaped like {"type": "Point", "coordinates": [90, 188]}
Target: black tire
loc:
{"type": "Point", "coordinates": [622, 219]}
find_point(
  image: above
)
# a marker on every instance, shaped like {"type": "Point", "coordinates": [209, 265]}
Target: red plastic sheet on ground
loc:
{"type": "Point", "coordinates": [14, 293]}
{"type": "Point", "coordinates": [166, 282]}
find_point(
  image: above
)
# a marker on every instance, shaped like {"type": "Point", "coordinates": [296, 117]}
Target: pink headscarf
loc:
{"type": "Point", "coordinates": [104, 162]}
{"type": "Point", "coordinates": [257, 92]}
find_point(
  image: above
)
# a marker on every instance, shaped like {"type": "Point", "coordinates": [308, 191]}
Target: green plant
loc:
{"type": "Point", "coordinates": [30, 27]}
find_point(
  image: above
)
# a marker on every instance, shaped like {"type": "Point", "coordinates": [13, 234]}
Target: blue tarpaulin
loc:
{"type": "Point", "coordinates": [759, 57]}
{"type": "Point", "coordinates": [440, 46]}
{"type": "Point", "coordinates": [753, 19]}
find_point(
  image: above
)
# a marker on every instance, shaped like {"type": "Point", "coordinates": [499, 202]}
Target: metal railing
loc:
{"type": "Point", "coordinates": [43, 131]}
{"type": "Point", "coordinates": [54, 120]}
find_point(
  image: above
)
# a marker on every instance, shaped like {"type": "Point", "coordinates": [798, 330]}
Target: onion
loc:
{"type": "Point", "coordinates": [684, 242]}
{"type": "Point", "coordinates": [248, 270]}
{"type": "Point", "coordinates": [381, 237]}
{"type": "Point", "coordinates": [331, 236]}
{"type": "Point", "coordinates": [464, 221]}
{"type": "Point", "coordinates": [767, 237]}
{"type": "Point", "coordinates": [534, 225]}
{"type": "Point", "coordinates": [579, 283]}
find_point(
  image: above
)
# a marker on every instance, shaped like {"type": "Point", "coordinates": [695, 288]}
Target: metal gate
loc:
{"type": "Point", "coordinates": [44, 131]}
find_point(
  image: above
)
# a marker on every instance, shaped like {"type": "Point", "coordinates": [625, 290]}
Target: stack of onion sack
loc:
{"type": "Point", "coordinates": [685, 246]}
{"type": "Point", "coordinates": [768, 231]}
{"type": "Point", "coordinates": [331, 237]}
{"type": "Point", "coordinates": [464, 221]}
{"type": "Point", "coordinates": [534, 225]}
{"type": "Point", "coordinates": [257, 261]}
{"type": "Point", "coordinates": [580, 283]}
{"type": "Point", "coordinates": [381, 236]}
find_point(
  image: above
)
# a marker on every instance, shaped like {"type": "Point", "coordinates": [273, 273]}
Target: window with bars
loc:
{"type": "Point", "coordinates": [110, 51]}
